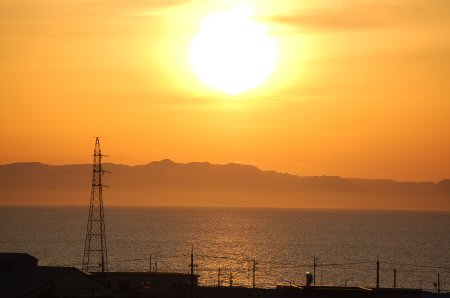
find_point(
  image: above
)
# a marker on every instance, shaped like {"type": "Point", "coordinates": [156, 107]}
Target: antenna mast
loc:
{"type": "Point", "coordinates": [95, 254]}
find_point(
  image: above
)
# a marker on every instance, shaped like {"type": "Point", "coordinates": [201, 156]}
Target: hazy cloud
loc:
{"type": "Point", "coordinates": [324, 21]}
{"type": "Point", "coordinates": [28, 9]}
{"type": "Point", "coordinates": [142, 3]}
{"type": "Point", "coordinates": [350, 15]}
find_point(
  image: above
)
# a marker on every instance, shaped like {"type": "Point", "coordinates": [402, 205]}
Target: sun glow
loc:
{"type": "Point", "coordinates": [232, 53]}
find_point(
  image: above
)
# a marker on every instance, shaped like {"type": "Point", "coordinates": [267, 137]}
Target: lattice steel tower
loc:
{"type": "Point", "coordinates": [95, 254]}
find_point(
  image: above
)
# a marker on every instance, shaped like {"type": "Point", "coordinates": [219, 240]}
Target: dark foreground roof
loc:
{"type": "Point", "coordinates": [14, 256]}
{"type": "Point", "coordinates": [26, 281]}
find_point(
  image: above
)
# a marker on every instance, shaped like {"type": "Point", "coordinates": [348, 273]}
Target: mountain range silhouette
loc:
{"type": "Point", "coordinates": [167, 183]}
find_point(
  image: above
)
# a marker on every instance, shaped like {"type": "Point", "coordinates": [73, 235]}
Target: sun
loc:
{"type": "Point", "coordinates": [232, 52]}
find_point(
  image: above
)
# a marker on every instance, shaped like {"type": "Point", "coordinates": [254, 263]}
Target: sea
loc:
{"type": "Point", "coordinates": [280, 245]}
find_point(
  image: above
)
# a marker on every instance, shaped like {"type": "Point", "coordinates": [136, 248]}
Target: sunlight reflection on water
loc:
{"type": "Point", "coordinates": [283, 242]}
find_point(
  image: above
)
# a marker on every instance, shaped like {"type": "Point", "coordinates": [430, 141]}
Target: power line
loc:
{"type": "Point", "coordinates": [43, 186]}
{"type": "Point", "coordinates": [211, 269]}
{"type": "Point", "coordinates": [42, 156]}
{"type": "Point", "coordinates": [44, 137]}
{"type": "Point", "coordinates": [420, 266]}
{"type": "Point", "coordinates": [282, 158]}
{"type": "Point", "coordinates": [42, 173]}
{"type": "Point", "coordinates": [343, 264]}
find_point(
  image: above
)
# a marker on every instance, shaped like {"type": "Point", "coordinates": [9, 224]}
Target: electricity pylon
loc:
{"type": "Point", "coordinates": [95, 254]}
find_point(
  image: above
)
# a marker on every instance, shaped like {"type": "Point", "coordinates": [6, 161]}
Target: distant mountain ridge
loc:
{"type": "Point", "coordinates": [167, 183]}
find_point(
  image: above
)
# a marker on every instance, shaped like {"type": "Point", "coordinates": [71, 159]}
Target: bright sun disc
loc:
{"type": "Point", "coordinates": [232, 52]}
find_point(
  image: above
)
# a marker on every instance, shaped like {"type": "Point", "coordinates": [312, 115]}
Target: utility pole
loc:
{"type": "Point", "coordinates": [254, 273]}
{"type": "Point", "coordinates": [156, 263]}
{"type": "Point", "coordinates": [378, 274]}
{"type": "Point", "coordinates": [231, 279]}
{"type": "Point", "coordinates": [192, 265]}
{"type": "Point", "coordinates": [95, 257]}
{"type": "Point", "coordinates": [395, 278]}
{"type": "Point", "coordinates": [150, 264]}
{"type": "Point", "coordinates": [439, 284]}
{"type": "Point", "coordinates": [314, 271]}
{"type": "Point", "coordinates": [218, 278]}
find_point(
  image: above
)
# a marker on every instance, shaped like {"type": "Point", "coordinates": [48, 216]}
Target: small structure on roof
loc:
{"type": "Point", "coordinates": [154, 284]}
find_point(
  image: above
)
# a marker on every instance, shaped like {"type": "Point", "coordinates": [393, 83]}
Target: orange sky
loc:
{"type": "Point", "coordinates": [361, 88]}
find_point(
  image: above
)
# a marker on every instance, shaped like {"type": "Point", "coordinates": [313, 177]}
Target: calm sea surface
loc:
{"type": "Point", "coordinates": [283, 242]}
